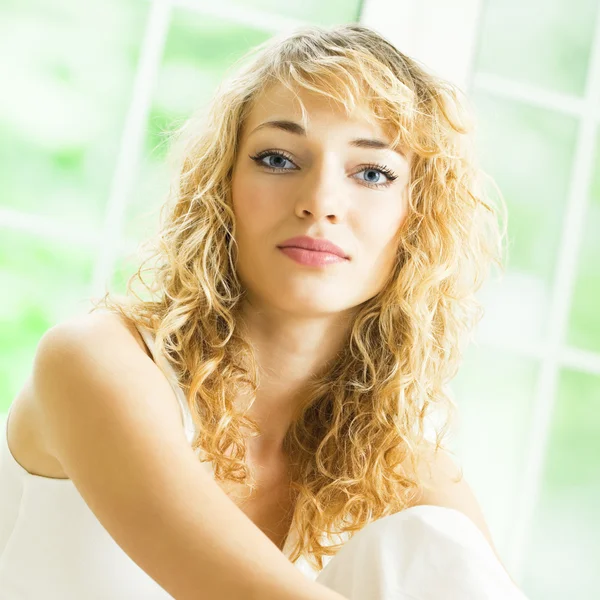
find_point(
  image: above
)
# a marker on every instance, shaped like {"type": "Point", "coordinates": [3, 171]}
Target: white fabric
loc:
{"type": "Point", "coordinates": [52, 547]}
{"type": "Point", "coordinates": [420, 553]}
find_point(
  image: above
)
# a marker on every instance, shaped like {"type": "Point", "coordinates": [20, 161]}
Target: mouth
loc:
{"type": "Point", "coordinates": [310, 257]}
{"type": "Point", "coordinates": [320, 244]}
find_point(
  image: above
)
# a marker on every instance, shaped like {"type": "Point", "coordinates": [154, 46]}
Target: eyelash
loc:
{"type": "Point", "coordinates": [376, 167]}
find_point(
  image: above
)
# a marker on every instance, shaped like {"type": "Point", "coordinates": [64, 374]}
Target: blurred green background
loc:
{"type": "Point", "coordinates": [68, 76]}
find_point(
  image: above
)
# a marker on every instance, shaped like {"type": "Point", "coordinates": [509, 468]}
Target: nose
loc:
{"type": "Point", "coordinates": [320, 195]}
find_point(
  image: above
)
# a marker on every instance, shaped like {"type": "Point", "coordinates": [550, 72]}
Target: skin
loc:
{"type": "Point", "coordinates": [297, 315]}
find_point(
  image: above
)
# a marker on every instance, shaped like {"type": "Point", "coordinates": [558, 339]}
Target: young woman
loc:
{"type": "Point", "coordinates": [256, 427]}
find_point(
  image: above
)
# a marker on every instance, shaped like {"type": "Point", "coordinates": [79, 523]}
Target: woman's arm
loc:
{"type": "Point", "coordinates": [114, 424]}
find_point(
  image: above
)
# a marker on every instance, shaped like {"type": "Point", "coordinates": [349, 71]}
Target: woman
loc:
{"type": "Point", "coordinates": [314, 282]}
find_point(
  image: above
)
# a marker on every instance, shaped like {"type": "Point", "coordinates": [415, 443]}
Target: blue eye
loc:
{"type": "Point", "coordinates": [281, 159]}
{"type": "Point", "coordinates": [278, 155]}
{"type": "Point", "coordinates": [373, 170]}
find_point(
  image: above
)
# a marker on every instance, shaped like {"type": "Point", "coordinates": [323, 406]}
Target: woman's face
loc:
{"type": "Point", "coordinates": [320, 184]}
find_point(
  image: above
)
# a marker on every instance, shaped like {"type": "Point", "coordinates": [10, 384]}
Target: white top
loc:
{"type": "Point", "coordinates": [52, 546]}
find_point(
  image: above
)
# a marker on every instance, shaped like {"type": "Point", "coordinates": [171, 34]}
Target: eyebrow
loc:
{"type": "Point", "coordinates": [292, 127]}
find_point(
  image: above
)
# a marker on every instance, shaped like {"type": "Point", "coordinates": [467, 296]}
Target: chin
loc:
{"type": "Point", "coordinates": [303, 302]}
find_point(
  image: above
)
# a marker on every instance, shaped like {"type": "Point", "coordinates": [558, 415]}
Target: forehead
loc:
{"type": "Point", "coordinates": [281, 102]}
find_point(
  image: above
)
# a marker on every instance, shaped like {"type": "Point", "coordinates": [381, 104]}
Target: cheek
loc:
{"type": "Point", "coordinates": [379, 230]}
{"type": "Point", "coordinates": [255, 206]}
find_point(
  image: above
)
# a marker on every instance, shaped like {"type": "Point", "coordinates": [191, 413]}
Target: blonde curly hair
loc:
{"type": "Point", "coordinates": [356, 442]}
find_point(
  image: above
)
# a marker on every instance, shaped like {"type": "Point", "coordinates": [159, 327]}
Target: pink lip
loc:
{"type": "Point", "coordinates": [315, 252]}
{"type": "Point", "coordinates": [313, 258]}
{"type": "Point", "coordinates": [315, 245]}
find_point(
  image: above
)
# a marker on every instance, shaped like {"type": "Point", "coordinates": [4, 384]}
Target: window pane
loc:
{"type": "Point", "coordinates": [584, 331]}
{"type": "Point", "coordinates": [494, 392]}
{"type": "Point", "coordinates": [66, 91]}
{"type": "Point", "coordinates": [127, 264]}
{"type": "Point", "coordinates": [197, 53]}
{"type": "Point", "coordinates": [42, 283]}
{"type": "Point", "coordinates": [565, 549]}
{"type": "Point", "coordinates": [317, 11]}
{"type": "Point", "coordinates": [124, 269]}
{"type": "Point", "coordinates": [538, 42]}
{"type": "Point", "coordinates": [529, 152]}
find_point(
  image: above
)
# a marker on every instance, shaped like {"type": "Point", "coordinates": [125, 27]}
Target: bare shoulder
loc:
{"type": "Point", "coordinates": [89, 340]}
{"type": "Point", "coordinates": [101, 329]}
{"type": "Point", "coordinates": [80, 337]}
{"type": "Point", "coordinates": [443, 484]}
{"type": "Point", "coordinates": [92, 359]}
